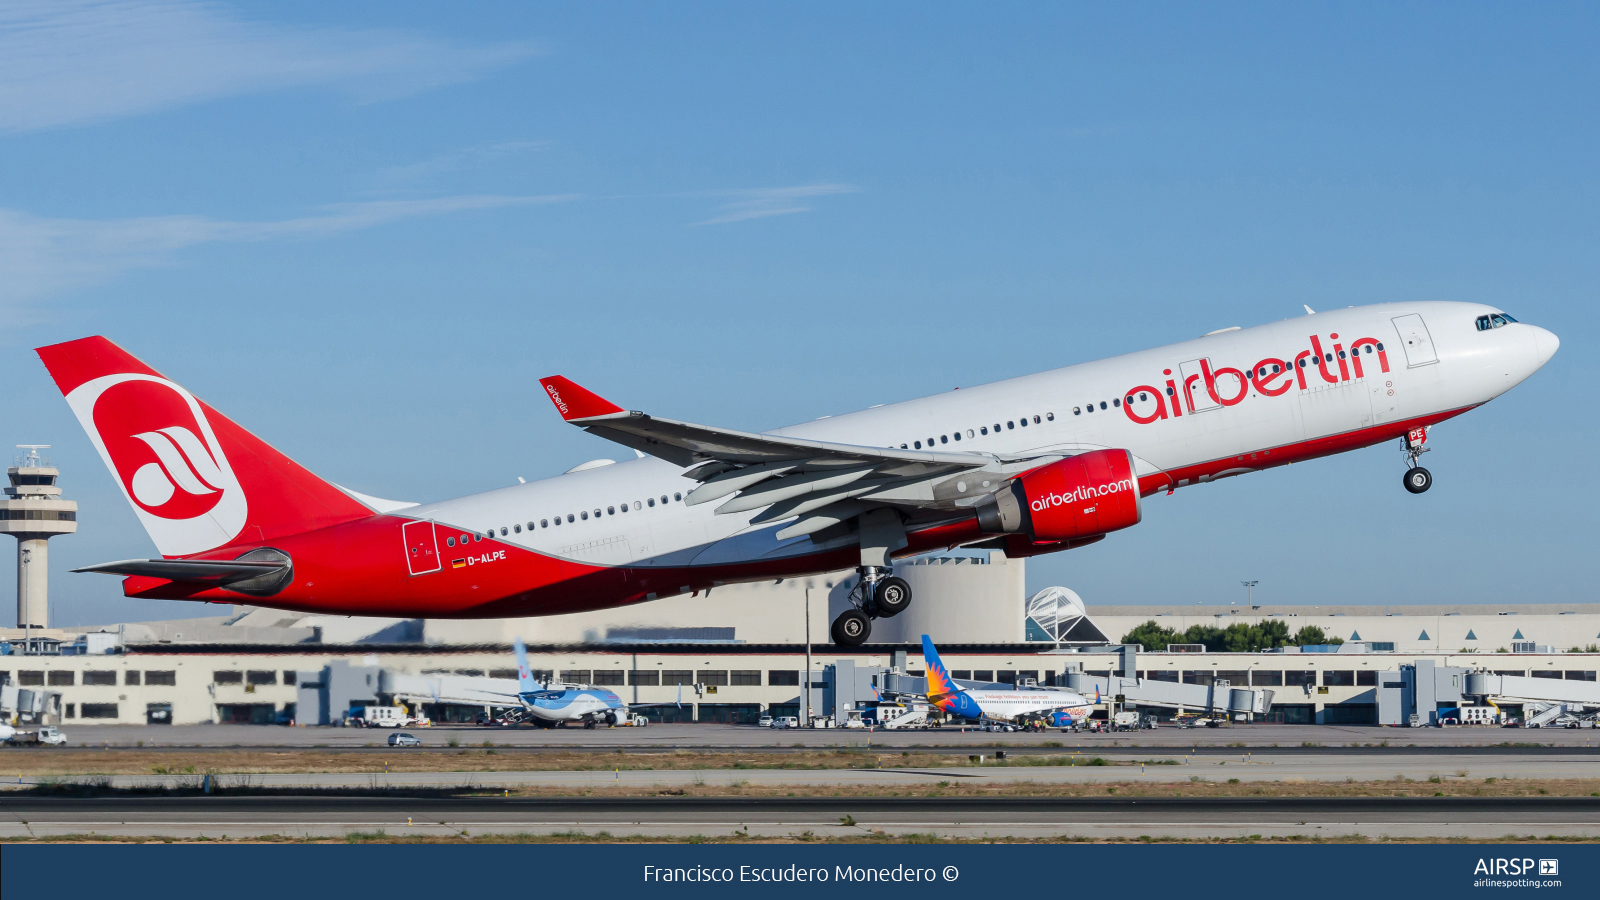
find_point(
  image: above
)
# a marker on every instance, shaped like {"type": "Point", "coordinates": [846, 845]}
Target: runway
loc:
{"type": "Point", "coordinates": [1480, 818]}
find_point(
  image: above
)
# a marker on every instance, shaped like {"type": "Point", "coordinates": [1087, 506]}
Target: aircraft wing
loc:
{"type": "Point", "coordinates": [820, 482]}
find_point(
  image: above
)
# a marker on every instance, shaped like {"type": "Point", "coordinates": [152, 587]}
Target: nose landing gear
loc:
{"type": "Point", "coordinates": [1418, 479]}
{"type": "Point", "coordinates": [1414, 444]}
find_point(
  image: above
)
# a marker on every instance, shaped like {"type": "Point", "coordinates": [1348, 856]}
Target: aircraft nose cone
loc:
{"type": "Point", "coordinates": [1545, 345]}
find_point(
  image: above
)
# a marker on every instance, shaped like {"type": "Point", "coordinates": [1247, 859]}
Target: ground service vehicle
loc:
{"type": "Point", "coordinates": [43, 736]}
{"type": "Point", "coordinates": [403, 739]}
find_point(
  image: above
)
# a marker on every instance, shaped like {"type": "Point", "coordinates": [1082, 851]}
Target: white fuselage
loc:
{"type": "Point", "coordinates": [631, 512]}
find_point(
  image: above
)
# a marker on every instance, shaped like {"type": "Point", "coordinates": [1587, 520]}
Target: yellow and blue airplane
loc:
{"type": "Point", "coordinates": [1062, 707]}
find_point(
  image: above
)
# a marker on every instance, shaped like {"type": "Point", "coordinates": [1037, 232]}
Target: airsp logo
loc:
{"type": "Point", "coordinates": [1549, 867]}
{"type": "Point", "coordinates": [155, 436]}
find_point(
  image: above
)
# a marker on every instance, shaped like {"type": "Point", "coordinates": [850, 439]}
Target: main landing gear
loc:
{"type": "Point", "coordinates": [878, 594]}
{"type": "Point", "coordinates": [1414, 444]}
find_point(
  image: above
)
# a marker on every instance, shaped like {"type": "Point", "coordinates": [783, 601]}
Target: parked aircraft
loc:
{"type": "Point", "coordinates": [550, 705]}
{"type": "Point", "coordinates": [999, 705]}
{"type": "Point", "coordinates": [1030, 465]}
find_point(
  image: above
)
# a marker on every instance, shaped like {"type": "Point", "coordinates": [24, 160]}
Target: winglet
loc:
{"type": "Point", "coordinates": [575, 402]}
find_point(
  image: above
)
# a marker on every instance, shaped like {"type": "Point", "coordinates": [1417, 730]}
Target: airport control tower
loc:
{"type": "Point", "coordinates": [33, 513]}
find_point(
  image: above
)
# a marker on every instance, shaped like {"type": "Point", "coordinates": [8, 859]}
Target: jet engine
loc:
{"type": "Point", "coordinates": [1083, 496]}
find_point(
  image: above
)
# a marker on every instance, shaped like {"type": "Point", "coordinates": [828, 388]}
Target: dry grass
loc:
{"type": "Point", "coordinates": [472, 759]}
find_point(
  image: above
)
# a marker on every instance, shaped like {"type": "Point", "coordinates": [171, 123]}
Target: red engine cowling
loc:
{"type": "Point", "coordinates": [1083, 496]}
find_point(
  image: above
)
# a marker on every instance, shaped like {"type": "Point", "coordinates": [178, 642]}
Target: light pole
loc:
{"type": "Point", "coordinates": [1249, 592]}
{"type": "Point", "coordinates": [805, 683]}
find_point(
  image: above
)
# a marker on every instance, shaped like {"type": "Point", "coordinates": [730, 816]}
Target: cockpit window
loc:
{"type": "Point", "coordinates": [1494, 320]}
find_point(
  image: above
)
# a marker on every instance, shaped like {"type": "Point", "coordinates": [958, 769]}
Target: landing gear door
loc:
{"type": "Point", "coordinates": [1415, 339]}
{"type": "Point", "coordinates": [1194, 387]}
{"type": "Point", "coordinates": [422, 548]}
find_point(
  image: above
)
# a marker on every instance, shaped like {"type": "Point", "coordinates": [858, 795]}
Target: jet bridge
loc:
{"type": "Point", "coordinates": [1219, 696]}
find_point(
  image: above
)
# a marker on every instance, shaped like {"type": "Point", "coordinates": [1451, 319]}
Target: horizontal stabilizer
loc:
{"type": "Point", "coordinates": [210, 570]}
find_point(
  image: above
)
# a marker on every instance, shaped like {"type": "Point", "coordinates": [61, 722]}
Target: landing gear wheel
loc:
{"type": "Point", "coordinates": [893, 595]}
{"type": "Point", "coordinates": [1418, 479]}
{"type": "Point", "coordinates": [589, 724]}
{"type": "Point", "coordinates": [852, 628]}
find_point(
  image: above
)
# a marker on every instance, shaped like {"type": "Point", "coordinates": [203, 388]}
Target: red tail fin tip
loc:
{"type": "Point", "coordinates": [576, 402]}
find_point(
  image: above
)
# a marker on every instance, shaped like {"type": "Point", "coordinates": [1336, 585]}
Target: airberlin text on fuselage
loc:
{"type": "Point", "coordinates": [1332, 366]}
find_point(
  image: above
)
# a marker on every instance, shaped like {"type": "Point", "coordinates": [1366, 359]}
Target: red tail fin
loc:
{"type": "Point", "coordinates": [196, 480]}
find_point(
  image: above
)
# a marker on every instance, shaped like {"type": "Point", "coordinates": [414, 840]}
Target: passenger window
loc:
{"type": "Point", "coordinates": [1169, 392]}
{"type": "Point", "coordinates": [651, 501]}
{"type": "Point", "coordinates": [449, 542]}
{"type": "Point", "coordinates": [530, 525]}
{"type": "Point", "coordinates": [663, 499]}
{"type": "Point", "coordinates": [1327, 357]}
{"type": "Point", "coordinates": [1302, 364]}
{"type": "Point", "coordinates": [1035, 420]}
{"type": "Point", "coordinates": [503, 531]}
{"type": "Point", "coordinates": [997, 428]}
{"type": "Point", "coordinates": [983, 430]}
{"type": "Point", "coordinates": [1050, 417]}
{"type": "Point", "coordinates": [1115, 401]}
{"type": "Point", "coordinates": [969, 432]}
{"type": "Point", "coordinates": [545, 523]}
{"type": "Point", "coordinates": [610, 511]}
{"type": "Point", "coordinates": [569, 517]}
{"type": "Point", "coordinates": [1341, 354]}
{"type": "Point", "coordinates": [944, 439]}
{"type": "Point", "coordinates": [584, 515]}
{"type": "Point", "coordinates": [677, 496]}
{"type": "Point", "coordinates": [919, 445]}
{"type": "Point", "coordinates": [1077, 410]}
{"type": "Point", "coordinates": [465, 538]}
{"type": "Point", "coordinates": [517, 528]}
{"type": "Point", "coordinates": [1010, 426]}
{"type": "Point", "coordinates": [1023, 421]}
{"type": "Point", "coordinates": [902, 446]}
{"type": "Point", "coordinates": [1276, 368]}
{"type": "Point", "coordinates": [635, 504]}
{"type": "Point", "coordinates": [1090, 407]}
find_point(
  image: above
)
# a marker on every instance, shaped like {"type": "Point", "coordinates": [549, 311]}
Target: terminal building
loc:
{"type": "Point", "coordinates": [738, 651]}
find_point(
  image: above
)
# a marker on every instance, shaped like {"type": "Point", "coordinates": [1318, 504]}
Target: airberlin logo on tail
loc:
{"type": "Point", "coordinates": [1081, 493]}
{"type": "Point", "coordinates": [155, 436]}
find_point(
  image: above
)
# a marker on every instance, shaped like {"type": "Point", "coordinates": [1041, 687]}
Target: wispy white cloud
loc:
{"type": "Point", "coordinates": [412, 174]}
{"type": "Point", "coordinates": [42, 256]}
{"type": "Point", "coordinates": [71, 62]}
{"type": "Point", "coordinates": [758, 203]}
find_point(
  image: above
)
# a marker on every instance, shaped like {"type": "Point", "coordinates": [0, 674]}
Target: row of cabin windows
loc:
{"type": "Point", "coordinates": [971, 433]}
{"type": "Point", "coordinates": [570, 517]}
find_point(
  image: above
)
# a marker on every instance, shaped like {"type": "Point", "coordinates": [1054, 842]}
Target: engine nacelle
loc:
{"type": "Point", "coordinates": [1082, 496]}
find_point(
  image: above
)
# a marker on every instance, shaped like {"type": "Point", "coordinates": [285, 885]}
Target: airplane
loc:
{"type": "Point", "coordinates": [551, 706]}
{"type": "Point", "coordinates": [1064, 708]}
{"type": "Point", "coordinates": [1031, 465]}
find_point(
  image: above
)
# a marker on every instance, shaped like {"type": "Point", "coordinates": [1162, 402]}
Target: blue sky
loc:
{"type": "Point", "coordinates": [364, 230]}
